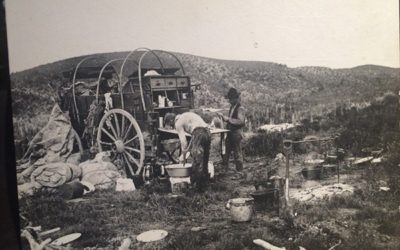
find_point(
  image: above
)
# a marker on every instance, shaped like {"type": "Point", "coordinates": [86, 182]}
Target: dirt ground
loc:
{"type": "Point", "coordinates": [349, 220]}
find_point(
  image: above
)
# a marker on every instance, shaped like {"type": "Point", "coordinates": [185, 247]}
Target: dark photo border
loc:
{"type": "Point", "coordinates": [9, 219]}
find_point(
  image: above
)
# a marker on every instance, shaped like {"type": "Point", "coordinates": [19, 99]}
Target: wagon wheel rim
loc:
{"type": "Point", "coordinates": [120, 134]}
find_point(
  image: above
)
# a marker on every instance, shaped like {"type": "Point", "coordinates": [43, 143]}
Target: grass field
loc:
{"type": "Point", "coordinates": [365, 220]}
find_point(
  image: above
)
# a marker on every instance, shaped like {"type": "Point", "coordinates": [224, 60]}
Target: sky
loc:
{"type": "Point", "coordinates": [331, 33]}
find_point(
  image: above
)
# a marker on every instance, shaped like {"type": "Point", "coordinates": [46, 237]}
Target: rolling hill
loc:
{"type": "Point", "coordinates": [270, 91]}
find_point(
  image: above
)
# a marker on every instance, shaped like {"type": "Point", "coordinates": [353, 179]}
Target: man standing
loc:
{"type": "Point", "coordinates": [199, 146]}
{"type": "Point", "coordinates": [235, 122]}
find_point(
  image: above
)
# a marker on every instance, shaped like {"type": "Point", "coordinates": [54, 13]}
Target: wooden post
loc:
{"type": "Point", "coordinates": [338, 165]}
{"type": "Point", "coordinates": [287, 181]}
{"type": "Point", "coordinates": [223, 145]}
{"type": "Point", "coordinates": [287, 149]}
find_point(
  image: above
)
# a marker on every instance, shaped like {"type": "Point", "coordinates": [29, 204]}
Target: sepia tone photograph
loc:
{"type": "Point", "coordinates": [206, 124]}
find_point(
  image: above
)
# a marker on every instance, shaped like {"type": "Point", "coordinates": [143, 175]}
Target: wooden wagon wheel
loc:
{"type": "Point", "coordinates": [120, 134]}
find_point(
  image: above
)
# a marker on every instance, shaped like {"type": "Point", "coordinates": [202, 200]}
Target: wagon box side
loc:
{"type": "Point", "coordinates": [132, 104]}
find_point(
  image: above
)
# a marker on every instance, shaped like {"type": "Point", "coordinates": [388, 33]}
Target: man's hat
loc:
{"type": "Point", "coordinates": [232, 93]}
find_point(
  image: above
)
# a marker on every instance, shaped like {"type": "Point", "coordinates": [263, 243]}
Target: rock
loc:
{"type": "Point", "coordinates": [197, 229]}
{"type": "Point", "coordinates": [76, 200]}
{"type": "Point", "coordinates": [385, 238]}
{"type": "Point", "coordinates": [267, 245]}
{"type": "Point", "coordinates": [385, 189]}
{"type": "Point", "coordinates": [126, 243]}
{"type": "Point", "coordinates": [376, 161]}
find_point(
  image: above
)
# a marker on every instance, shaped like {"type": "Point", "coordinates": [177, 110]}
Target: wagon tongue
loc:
{"type": "Point", "coordinates": [119, 144]}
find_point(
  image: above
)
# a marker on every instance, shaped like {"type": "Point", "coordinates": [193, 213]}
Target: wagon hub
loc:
{"type": "Point", "coordinates": [120, 146]}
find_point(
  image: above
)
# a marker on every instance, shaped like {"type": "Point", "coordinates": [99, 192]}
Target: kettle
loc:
{"type": "Point", "coordinates": [241, 209]}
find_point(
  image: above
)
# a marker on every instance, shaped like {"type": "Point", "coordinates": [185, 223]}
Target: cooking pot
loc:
{"type": "Point", "coordinates": [241, 209]}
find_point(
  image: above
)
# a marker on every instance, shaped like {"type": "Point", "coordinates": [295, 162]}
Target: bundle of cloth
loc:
{"type": "Point", "coordinates": [53, 143]}
{"type": "Point", "coordinates": [52, 175]}
{"type": "Point", "coordinates": [56, 138]}
{"type": "Point", "coordinates": [100, 171]}
{"type": "Point", "coordinates": [55, 174]}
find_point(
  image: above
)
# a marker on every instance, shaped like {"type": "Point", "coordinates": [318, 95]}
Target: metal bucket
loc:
{"type": "Point", "coordinates": [312, 173]}
{"type": "Point", "coordinates": [241, 209]}
{"type": "Point", "coordinates": [265, 199]}
{"type": "Point", "coordinates": [179, 170]}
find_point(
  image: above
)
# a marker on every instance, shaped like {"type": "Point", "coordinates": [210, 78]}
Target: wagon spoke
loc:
{"type": "Point", "coordinates": [128, 164]}
{"type": "Point", "coordinates": [127, 132]}
{"type": "Point", "coordinates": [109, 135]}
{"type": "Point", "coordinates": [109, 125]}
{"type": "Point", "coordinates": [132, 159]}
{"type": "Point", "coordinates": [123, 125]}
{"type": "Point", "coordinates": [130, 140]}
{"type": "Point", "coordinates": [117, 125]}
{"type": "Point", "coordinates": [106, 143]}
{"type": "Point", "coordinates": [121, 135]}
{"type": "Point", "coordinates": [114, 155]}
{"type": "Point", "coordinates": [132, 149]}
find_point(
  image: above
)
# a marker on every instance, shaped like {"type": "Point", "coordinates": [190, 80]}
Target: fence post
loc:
{"type": "Point", "coordinates": [287, 150]}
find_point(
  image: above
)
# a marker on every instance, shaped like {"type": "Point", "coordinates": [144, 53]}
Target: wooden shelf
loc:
{"type": "Point", "coordinates": [169, 89]}
{"type": "Point", "coordinates": [213, 131]}
{"type": "Point", "coordinates": [173, 107]}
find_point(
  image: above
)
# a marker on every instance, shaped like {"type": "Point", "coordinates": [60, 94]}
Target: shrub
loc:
{"type": "Point", "coordinates": [270, 144]}
{"type": "Point", "coordinates": [389, 224]}
{"type": "Point", "coordinates": [392, 168]}
{"type": "Point", "coordinates": [370, 126]}
{"type": "Point", "coordinates": [263, 144]}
